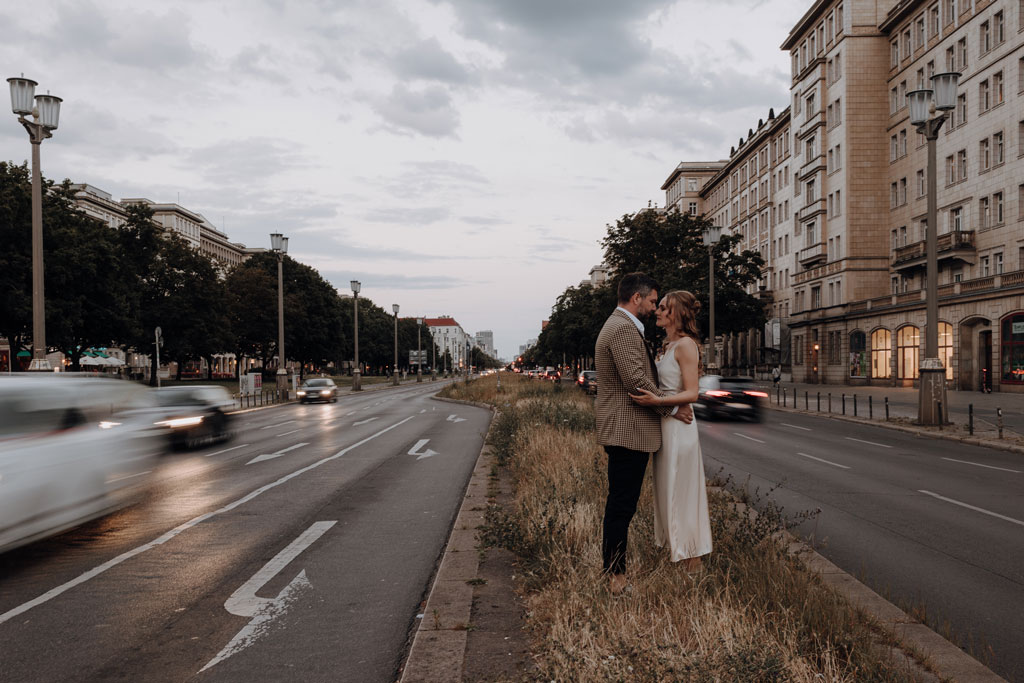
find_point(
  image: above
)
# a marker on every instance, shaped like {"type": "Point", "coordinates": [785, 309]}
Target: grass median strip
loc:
{"type": "Point", "coordinates": [754, 614]}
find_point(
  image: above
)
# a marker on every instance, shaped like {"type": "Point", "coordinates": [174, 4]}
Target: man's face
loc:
{"type": "Point", "coordinates": [648, 303]}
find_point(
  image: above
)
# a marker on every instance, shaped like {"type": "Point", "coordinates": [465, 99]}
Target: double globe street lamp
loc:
{"type": "Point", "coordinates": [929, 109]}
{"type": "Point", "coordinates": [279, 245]}
{"type": "Point", "coordinates": [711, 236]}
{"type": "Point", "coordinates": [394, 370]}
{"type": "Point", "coordinates": [419, 350]}
{"type": "Point", "coordinates": [355, 334]}
{"type": "Point", "coordinates": [45, 112]}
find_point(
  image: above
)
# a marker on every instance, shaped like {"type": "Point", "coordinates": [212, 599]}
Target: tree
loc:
{"type": "Point", "coordinates": [15, 255]}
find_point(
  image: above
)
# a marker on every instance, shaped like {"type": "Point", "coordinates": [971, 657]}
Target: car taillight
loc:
{"type": "Point", "coordinates": [718, 394]}
{"type": "Point", "coordinates": [759, 394]}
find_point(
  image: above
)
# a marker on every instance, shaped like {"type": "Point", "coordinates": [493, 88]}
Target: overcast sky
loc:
{"type": "Point", "coordinates": [458, 158]}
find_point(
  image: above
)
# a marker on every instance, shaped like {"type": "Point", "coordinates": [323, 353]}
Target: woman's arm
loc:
{"type": "Point", "coordinates": [687, 356]}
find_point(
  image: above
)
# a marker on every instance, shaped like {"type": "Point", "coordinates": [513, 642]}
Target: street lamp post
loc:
{"type": "Point", "coordinates": [394, 371]}
{"type": "Point", "coordinates": [419, 349]}
{"type": "Point", "coordinates": [356, 386]}
{"type": "Point", "coordinates": [45, 115]}
{"type": "Point", "coordinates": [928, 111]}
{"type": "Point", "coordinates": [711, 237]}
{"type": "Point", "coordinates": [279, 245]}
{"type": "Point", "coordinates": [446, 354]}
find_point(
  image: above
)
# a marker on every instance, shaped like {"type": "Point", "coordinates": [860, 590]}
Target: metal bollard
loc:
{"type": "Point", "coordinates": [844, 404]}
{"type": "Point", "coordinates": [855, 405]}
{"type": "Point", "coordinates": [777, 394]}
{"type": "Point", "coordinates": [819, 401]}
{"type": "Point", "coordinates": [999, 421]}
{"type": "Point", "coordinates": [940, 414]}
{"type": "Point", "coordinates": [871, 408]}
{"type": "Point", "coordinates": [830, 403]}
{"type": "Point", "coordinates": [886, 408]}
{"type": "Point", "coordinates": [970, 419]}
{"type": "Point", "coordinates": [784, 402]}
{"type": "Point", "coordinates": [806, 404]}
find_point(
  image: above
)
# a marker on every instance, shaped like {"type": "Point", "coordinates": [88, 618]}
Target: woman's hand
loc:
{"type": "Point", "coordinates": [646, 398]}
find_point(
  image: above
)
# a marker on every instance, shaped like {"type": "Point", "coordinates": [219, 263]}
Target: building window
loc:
{"type": "Point", "coordinates": [1012, 349]}
{"type": "Point", "coordinates": [998, 154]}
{"type": "Point", "coordinates": [881, 354]}
{"type": "Point", "coordinates": [998, 28]}
{"type": "Point", "coordinates": [919, 27]}
{"type": "Point", "coordinates": [946, 348]}
{"type": "Point", "coordinates": [985, 266]}
{"type": "Point", "coordinates": [997, 88]}
{"type": "Point", "coordinates": [961, 110]}
{"type": "Point", "coordinates": [985, 34]}
{"type": "Point", "coordinates": [693, 208]}
{"type": "Point", "coordinates": [894, 148]}
{"type": "Point", "coordinates": [815, 297]}
{"type": "Point", "coordinates": [984, 96]}
{"type": "Point", "coordinates": [903, 143]}
{"type": "Point", "coordinates": [997, 263]}
{"type": "Point", "coordinates": [997, 210]}
{"type": "Point", "coordinates": [956, 219]}
{"type": "Point", "coordinates": [908, 350]}
{"type": "Point", "coordinates": [961, 49]}
{"type": "Point", "coordinates": [922, 186]}
{"type": "Point", "coordinates": [984, 155]}
{"type": "Point", "coordinates": [933, 17]}
{"type": "Point", "coordinates": [950, 170]}
{"type": "Point", "coordinates": [858, 354]}
{"type": "Point", "coordinates": [894, 54]}
{"type": "Point", "coordinates": [961, 164]}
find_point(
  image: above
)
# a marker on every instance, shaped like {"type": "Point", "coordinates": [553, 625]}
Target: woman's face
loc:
{"type": "Point", "coordinates": [662, 315]}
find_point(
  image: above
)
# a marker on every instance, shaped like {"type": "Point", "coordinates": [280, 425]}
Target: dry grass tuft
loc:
{"type": "Point", "coordinates": [754, 614]}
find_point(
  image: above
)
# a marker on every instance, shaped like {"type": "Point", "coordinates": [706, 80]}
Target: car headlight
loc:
{"type": "Point", "coordinates": [300, 392]}
{"type": "Point", "coordinates": [325, 392]}
{"type": "Point", "coordinates": [181, 422]}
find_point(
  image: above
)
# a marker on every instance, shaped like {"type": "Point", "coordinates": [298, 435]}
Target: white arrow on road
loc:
{"type": "Point", "coordinates": [362, 422]}
{"type": "Point", "coordinates": [245, 603]}
{"type": "Point", "coordinates": [271, 456]}
{"type": "Point", "coordinates": [425, 454]}
{"type": "Point", "coordinates": [455, 418]}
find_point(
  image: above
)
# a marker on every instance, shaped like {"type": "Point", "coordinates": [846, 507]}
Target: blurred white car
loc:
{"type": "Point", "coordinates": [71, 449]}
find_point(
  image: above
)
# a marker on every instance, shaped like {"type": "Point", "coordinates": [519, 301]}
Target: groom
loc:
{"type": "Point", "coordinates": [628, 432]}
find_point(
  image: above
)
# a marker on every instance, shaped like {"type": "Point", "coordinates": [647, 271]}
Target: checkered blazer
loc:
{"type": "Point", "coordinates": [623, 367]}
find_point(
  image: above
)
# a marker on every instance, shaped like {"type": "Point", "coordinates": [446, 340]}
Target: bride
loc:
{"type": "Point", "coordinates": [681, 518]}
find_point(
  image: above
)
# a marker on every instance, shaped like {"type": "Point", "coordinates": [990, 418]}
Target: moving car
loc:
{"type": "Point", "coordinates": [552, 374]}
{"type": "Point", "coordinates": [729, 397]}
{"type": "Point", "coordinates": [318, 389]}
{"type": "Point", "coordinates": [194, 415]}
{"type": "Point", "coordinates": [71, 449]}
{"type": "Point", "coordinates": [588, 381]}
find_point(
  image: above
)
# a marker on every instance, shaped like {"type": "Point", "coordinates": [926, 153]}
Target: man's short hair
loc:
{"type": "Point", "coordinates": [636, 283]}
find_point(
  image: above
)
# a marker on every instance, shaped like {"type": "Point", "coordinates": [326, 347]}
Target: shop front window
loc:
{"type": "Point", "coordinates": [1012, 351]}
{"type": "Point", "coordinates": [881, 353]}
{"type": "Point", "coordinates": [858, 355]}
{"type": "Point", "coordinates": [946, 348]}
{"type": "Point", "coordinates": [908, 349]}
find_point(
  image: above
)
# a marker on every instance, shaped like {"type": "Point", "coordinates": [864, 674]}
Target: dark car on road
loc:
{"type": "Point", "coordinates": [318, 389]}
{"type": "Point", "coordinates": [194, 415]}
{"type": "Point", "coordinates": [736, 397]}
{"type": "Point", "coordinates": [588, 381]}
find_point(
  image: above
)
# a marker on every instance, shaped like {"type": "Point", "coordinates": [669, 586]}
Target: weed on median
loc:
{"type": "Point", "coordinates": [754, 614]}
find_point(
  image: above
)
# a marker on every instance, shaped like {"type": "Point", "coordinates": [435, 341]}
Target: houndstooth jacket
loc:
{"type": "Point", "coordinates": [623, 367]}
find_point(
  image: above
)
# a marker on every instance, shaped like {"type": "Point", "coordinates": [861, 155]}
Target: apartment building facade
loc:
{"type": "Point", "coordinates": [683, 188]}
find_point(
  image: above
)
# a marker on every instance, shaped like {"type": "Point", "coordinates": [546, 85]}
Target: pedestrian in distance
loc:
{"type": "Point", "coordinates": [681, 518]}
{"type": "Point", "coordinates": [776, 375]}
{"type": "Point", "coordinates": [628, 432]}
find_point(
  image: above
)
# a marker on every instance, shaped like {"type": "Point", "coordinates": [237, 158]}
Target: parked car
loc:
{"type": "Point", "coordinates": [318, 389]}
{"type": "Point", "coordinates": [729, 397]}
{"type": "Point", "coordinates": [71, 449]}
{"type": "Point", "coordinates": [194, 415]}
{"type": "Point", "coordinates": [588, 381]}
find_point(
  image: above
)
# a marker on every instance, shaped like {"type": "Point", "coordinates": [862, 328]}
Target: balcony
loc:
{"type": "Point", "coordinates": [811, 210]}
{"type": "Point", "coordinates": [814, 255]}
{"type": "Point", "coordinates": [957, 245]}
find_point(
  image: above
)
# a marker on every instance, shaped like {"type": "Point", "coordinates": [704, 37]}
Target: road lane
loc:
{"type": "Point", "coordinates": [162, 610]}
{"type": "Point", "coordinates": [963, 566]}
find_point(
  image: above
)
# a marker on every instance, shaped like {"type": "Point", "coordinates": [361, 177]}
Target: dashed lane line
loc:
{"type": "Point", "coordinates": [748, 438]}
{"type": "Point", "coordinates": [786, 424]}
{"type": "Point", "coordinates": [279, 424]}
{"type": "Point", "coordinates": [872, 443]}
{"type": "Point", "coordinates": [827, 462]}
{"type": "Point", "coordinates": [287, 433]}
{"type": "Point", "coordinates": [978, 464]}
{"type": "Point", "coordinates": [233, 448]}
{"type": "Point", "coordinates": [972, 507]}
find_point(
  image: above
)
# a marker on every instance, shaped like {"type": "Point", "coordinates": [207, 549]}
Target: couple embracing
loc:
{"type": "Point", "coordinates": [643, 407]}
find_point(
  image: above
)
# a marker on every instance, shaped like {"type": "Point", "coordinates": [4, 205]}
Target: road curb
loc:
{"type": "Point", "coordinates": [439, 646]}
{"type": "Point", "coordinates": [945, 661]}
{"type": "Point", "coordinates": [908, 429]}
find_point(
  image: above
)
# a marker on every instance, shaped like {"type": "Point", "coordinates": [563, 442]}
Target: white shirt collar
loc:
{"type": "Point", "coordinates": [636, 321]}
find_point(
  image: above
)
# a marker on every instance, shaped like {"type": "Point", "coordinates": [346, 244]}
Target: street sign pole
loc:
{"type": "Point", "coordinates": [158, 342]}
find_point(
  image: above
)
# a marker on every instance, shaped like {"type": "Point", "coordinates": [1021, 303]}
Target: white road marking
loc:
{"type": "Point", "coordinates": [749, 438]}
{"type": "Point", "coordinates": [110, 564]}
{"type": "Point", "coordinates": [425, 454]}
{"type": "Point", "coordinates": [455, 418]}
{"type": "Point", "coordinates": [278, 454]}
{"type": "Point", "coordinates": [423, 411]}
{"type": "Point", "coordinates": [827, 462]}
{"type": "Point", "coordinates": [127, 476]}
{"type": "Point", "coordinates": [362, 422]}
{"type": "Point", "coordinates": [291, 432]}
{"type": "Point", "coordinates": [786, 424]}
{"type": "Point", "coordinates": [872, 443]}
{"type": "Point", "coordinates": [233, 448]}
{"type": "Point", "coordinates": [279, 424]}
{"type": "Point", "coordinates": [978, 464]}
{"type": "Point", "coordinates": [971, 507]}
{"type": "Point", "coordinates": [245, 603]}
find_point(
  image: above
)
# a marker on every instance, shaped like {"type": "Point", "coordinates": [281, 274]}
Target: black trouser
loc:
{"type": "Point", "coordinates": [626, 470]}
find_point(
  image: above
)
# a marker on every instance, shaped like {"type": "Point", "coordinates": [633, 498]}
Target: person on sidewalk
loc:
{"type": "Point", "coordinates": [629, 433]}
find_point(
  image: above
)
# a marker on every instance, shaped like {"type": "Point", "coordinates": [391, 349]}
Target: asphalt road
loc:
{"type": "Point", "coordinates": [929, 524]}
{"type": "Point", "coordinates": [301, 550]}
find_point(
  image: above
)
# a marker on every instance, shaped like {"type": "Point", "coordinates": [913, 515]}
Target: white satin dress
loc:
{"type": "Point", "coordinates": [681, 519]}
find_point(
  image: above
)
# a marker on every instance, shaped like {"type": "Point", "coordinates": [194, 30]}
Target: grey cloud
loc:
{"type": "Point", "coordinates": [423, 215]}
{"type": "Point", "coordinates": [429, 61]}
{"type": "Point", "coordinates": [249, 160]}
{"type": "Point", "coordinates": [430, 179]}
{"type": "Point", "coordinates": [427, 111]}
{"type": "Point", "coordinates": [371, 280]}
{"type": "Point", "coordinates": [255, 60]}
{"type": "Point", "coordinates": [483, 220]}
